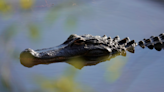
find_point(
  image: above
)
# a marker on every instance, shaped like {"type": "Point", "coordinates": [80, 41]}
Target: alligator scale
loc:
{"type": "Point", "coordinates": [90, 49]}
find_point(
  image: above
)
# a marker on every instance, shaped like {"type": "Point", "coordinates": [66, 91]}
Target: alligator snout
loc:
{"type": "Point", "coordinates": [27, 58]}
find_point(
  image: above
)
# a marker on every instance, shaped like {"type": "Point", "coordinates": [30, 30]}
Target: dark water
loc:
{"type": "Point", "coordinates": [137, 19]}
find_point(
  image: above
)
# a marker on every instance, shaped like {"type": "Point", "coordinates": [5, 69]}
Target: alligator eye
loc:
{"type": "Point", "coordinates": [79, 42]}
{"type": "Point", "coordinates": [70, 38]}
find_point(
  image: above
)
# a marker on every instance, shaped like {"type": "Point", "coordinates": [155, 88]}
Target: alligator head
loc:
{"type": "Point", "coordinates": [90, 49]}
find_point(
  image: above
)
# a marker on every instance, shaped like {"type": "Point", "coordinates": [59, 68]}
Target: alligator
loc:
{"type": "Point", "coordinates": [90, 49]}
